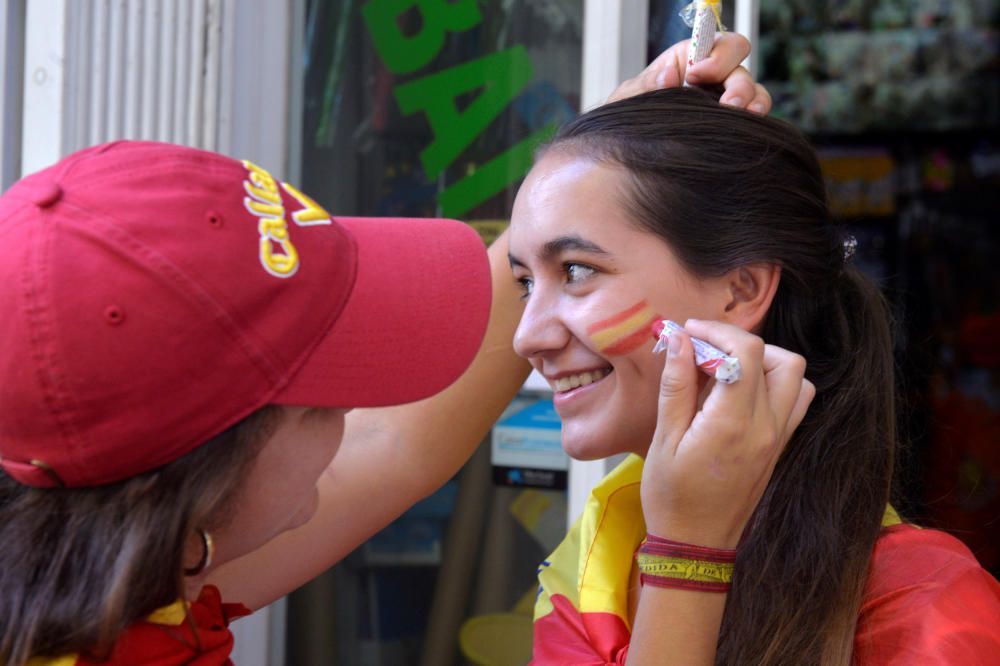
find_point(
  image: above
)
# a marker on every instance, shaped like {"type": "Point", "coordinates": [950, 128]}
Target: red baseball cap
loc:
{"type": "Point", "coordinates": [154, 295]}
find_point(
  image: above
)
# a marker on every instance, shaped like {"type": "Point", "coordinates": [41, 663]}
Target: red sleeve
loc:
{"type": "Point", "coordinates": [566, 636]}
{"type": "Point", "coordinates": [927, 601]}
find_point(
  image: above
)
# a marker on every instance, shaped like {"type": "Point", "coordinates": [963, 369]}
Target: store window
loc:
{"type": "Point", "coordinates": [433, 111]}
{"type": "Point", "coordinates": [431, 108]}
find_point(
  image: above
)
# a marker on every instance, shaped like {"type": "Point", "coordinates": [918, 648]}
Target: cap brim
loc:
{"type": "Point", "coordinates": [413, 322]}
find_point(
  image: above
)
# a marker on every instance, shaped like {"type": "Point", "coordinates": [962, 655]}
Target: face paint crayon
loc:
{"type": "Point", "coordinates": [624, 332]}
{"type": "Point", "coordinates": [713, 361]}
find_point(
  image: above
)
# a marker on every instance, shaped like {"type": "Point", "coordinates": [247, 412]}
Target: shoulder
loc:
{"type": "Point", "coordinates": [906, 556]}
{"type": "Point", "coordinates": [927, 599]}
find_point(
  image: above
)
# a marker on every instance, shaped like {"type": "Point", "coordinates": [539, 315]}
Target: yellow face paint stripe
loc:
{"type": "Point", "coordinates": [609, 336]}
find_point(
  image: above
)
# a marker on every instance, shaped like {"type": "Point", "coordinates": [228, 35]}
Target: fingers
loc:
{"type": "Point", "coordinates": [784, 374]}
{"type": "Point", "coordinates": [663, 72]}
{"type": "Point", "coordinates": [740, 89]}
{"type": "Point", "coordinates": [789, 392]}
{"type": "Point", "coordinates": [772, 397]}
{"type": "Point", "coordinates": [733, 340]}
{"type": "Point", "coordinates": [762, 409]}
{"type": "Point", "coordinates": [743, 93]}
{"type": "Point", "coordinates": [806, 394]}
{"type": "Point", "coordinates": [667, 70]}
{"type": "Point", "coordinates": [678, 392]}
{"type": "Point", "coordinates": [761, 102]}
{"type": "Point", "coordinates": [722, 65]}
{"type": "Point", "coordinates": [729, 51]}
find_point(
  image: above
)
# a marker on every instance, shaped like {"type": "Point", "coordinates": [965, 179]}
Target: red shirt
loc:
{"type": "Point", "coordinates": [927, 599]}
{"type": "Point", "coordinates": [195, 634]}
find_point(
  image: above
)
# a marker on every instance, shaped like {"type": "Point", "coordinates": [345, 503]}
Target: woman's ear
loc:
{"type": "Point", "coordinates": [751, 290]}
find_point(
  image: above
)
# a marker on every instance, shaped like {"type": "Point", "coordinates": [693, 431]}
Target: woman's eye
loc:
{"type": "Point", "coordinates": [526, 284]}
{"type": "Point", "coordinates": [577, 272]}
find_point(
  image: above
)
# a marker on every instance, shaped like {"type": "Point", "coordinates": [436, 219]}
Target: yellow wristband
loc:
{"type": "Point", "coordinates": [665, 566]}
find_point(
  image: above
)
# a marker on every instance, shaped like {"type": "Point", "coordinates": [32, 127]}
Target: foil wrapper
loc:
{"type": "Point", "coordinates": [710, 359]}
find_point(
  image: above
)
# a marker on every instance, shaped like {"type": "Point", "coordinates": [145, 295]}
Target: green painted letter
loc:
{"type": "Point", "coordinates": [402, 54]}
{"type": "Point", "coordinates": [491, 178]}
{"type": "Point", "coordinates": [501, 76]}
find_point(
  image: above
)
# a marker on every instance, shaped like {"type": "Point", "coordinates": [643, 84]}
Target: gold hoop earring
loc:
{"type": "Point", "coordinates": [208, 550]}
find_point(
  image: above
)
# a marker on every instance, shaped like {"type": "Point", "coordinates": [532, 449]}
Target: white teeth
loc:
{"type": "Point", "coordinates": [582, 379]}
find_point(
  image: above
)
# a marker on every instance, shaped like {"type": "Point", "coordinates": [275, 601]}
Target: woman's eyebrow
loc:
{"type": "Point", "coordinates": [557, 246]}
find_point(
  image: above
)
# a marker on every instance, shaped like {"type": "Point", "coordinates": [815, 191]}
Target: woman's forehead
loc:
{"type": "Point", "coordinates": [568, 195]}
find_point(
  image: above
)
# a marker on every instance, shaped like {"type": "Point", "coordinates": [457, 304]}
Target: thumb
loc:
{"type": "Point", "coordinates": [678, 392]}
{"type": "Point", "coordinates": [667, 70]}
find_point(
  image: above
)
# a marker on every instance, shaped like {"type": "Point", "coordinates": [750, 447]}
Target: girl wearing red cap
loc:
{"type": "Point", "coordinates": [182, 339]}
{"type": "Point", "coordinates": [669, 205]}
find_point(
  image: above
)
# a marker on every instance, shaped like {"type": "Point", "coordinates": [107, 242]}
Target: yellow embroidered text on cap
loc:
{"type": "Point", "coordinates": [265, 203]}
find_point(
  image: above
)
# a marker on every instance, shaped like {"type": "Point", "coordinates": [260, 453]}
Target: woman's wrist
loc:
{"type": "Point", "coordinates": [701, 535]}
{"type": "Point", "coordinates": [674, 564]}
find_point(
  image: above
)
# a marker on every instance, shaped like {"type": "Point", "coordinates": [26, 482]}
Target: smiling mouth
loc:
{"type": "Point", "coordinates": [571, 382]}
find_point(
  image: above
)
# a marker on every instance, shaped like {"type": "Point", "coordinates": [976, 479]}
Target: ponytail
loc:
{"type": "Point", "coordinates": [725, 188]}
{"type": "Point", "coordinates": [809, 543]}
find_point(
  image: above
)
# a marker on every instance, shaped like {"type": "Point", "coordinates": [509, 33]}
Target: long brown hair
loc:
{"type": "Point", "coordinates": [78, 565]}
{"type": "Point", "coordinates": [726, 188]}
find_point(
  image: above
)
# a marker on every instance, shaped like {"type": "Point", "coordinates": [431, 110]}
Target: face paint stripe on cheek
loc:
{"type": "Point", "coordinates": [629, 344]}
{"type": "Point", "coordinates": [618, 318]}
{"type": "Point", "coordinates": [625, 331]}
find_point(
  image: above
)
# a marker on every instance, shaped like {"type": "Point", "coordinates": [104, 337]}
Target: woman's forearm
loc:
{"type": "Point", "coordinates": [674, 626]}
{"type": "Point", "coordinates": [440, 433]}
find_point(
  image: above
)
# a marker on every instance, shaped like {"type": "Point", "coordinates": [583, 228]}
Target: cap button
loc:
{"type": "Point", "coordinates": [47, 195]}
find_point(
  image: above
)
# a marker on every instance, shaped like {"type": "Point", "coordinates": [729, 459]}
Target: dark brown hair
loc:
{"type": "Point", "coordinates": [78, 565]}
{"type": "Point", "coordinates": [726, 188]}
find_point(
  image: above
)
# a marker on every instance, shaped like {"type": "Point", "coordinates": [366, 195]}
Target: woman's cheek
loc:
{"type": "Point", "coordinates": [624, 331]}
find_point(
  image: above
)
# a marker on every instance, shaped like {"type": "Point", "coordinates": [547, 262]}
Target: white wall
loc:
{"type": "Point", "coordinates": [211, 74]}
{"type": "Point", "coordinates": [11, 77]}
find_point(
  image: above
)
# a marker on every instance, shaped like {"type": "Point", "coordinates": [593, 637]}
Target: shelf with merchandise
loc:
{"type": "Point", "coordinates": [856, 67]}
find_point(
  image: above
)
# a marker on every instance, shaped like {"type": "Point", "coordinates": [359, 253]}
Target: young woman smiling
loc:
{"type": "Point", "coordinates": [670, 205]}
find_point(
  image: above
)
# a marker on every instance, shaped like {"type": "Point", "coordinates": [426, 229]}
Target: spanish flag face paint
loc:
{"type": "Point", "coordinates": [624, 332]}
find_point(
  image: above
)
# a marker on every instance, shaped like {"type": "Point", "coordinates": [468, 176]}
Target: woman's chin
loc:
{"type": "Point", "coordinates": [589, 447]}
{"type": "Point", "coordinates": [592, 445]}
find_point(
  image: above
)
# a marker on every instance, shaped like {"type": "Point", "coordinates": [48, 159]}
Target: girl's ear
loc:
{"type": "Point", "coordinates": [751, 289]}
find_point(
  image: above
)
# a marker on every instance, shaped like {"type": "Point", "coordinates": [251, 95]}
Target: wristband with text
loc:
{"type": "Point", "coordinates": [666, 563]}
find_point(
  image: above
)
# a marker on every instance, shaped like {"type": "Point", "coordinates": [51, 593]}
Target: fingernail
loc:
{"type": "Point", "coordinates": [673, 346]}
{"type": "Point", "coordinates": [735, 101]}
{"type": "Point", "coordinates": [692, 78]}
{"type": "Point", "coordinates": [757, 108]}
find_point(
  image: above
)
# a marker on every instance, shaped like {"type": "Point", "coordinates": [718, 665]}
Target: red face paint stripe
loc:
{"type": "Point", "coordinates": [616, 319]}
{"type": "Point", "coordinates": [629, 344]}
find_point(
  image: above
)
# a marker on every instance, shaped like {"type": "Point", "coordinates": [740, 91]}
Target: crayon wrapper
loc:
{"type": "Point", "coordinates": [712, 361]}
{"type": "Point", "coordinates": [702, 34]}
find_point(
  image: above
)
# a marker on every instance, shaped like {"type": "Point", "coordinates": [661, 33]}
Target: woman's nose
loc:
{"type": "Point", "coordinates": [541, 330]}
